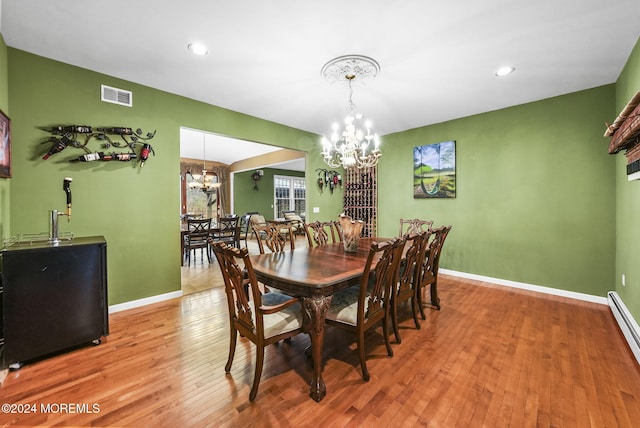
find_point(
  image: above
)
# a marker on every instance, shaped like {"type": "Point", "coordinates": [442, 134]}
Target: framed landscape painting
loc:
{"type": "Point", "coordinates": [5, 146]}
{"type": "Point", "coordinates": [434, 170]}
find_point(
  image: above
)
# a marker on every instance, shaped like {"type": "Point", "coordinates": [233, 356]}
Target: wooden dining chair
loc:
{"type": "Point", "coordinates": [274, 237]}
{"type": "Point", "coordinates": [243, 229]}
{"type": "Point", "coordinates": [275, 318]}
{"type": "Point", "coordinates": [430, 267]}
{"type": "Point", "coordinates": [413, 226]}
{"type": "Point", "coordinates": [408, 282]}
{"type": "Point", "coordinates": [198, 231]}
{"type": "Point", "coordinates": [359, 308]}
{"type": "Point", "coordinates": [227, 231]}
{"type": "Point", "coordinates": [320, 233]}
{"type": "Point", "coordinates": [337, 227]}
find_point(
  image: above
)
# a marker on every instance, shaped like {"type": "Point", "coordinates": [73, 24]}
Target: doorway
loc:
{"type": "Point", "coordinates": [221, 157]}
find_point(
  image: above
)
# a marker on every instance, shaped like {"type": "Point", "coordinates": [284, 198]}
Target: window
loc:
{"type": "Point", "coordinates": [290, 193]}
{"type": "Point", "coordinates": [197, 202]}
{"type": "Point", "coordinates": [202, 203]}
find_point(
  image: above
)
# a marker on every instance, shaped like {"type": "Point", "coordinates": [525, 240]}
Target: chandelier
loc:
{"type": "Point", "coordinates": [354, 145]}
{"type": "Point", "coordinates": [203, 181]}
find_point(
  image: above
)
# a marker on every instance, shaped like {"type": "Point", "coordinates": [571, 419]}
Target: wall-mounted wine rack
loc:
{"type": "Point", "coordinates": [361, 197]}
{"type": "Point", "coordinates": [79, 136]}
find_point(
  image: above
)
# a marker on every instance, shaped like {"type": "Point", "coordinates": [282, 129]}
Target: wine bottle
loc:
{"type": "Point", "coordinates": [144, 154]}
{"type": "Point", "coordinates": [81, 129]}
{"type": "Point", "coordinates": [60, 144]}
{"type": "Point", "coordinates": [88, 157]}
{"type": "Point", "coordinates": [116, 130]}
{"type": "Point", "coordinates": [124, 157]}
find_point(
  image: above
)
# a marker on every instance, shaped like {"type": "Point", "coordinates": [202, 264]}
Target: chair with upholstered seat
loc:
{"type": "Point", "coordinates": [297, 223]}
{"type": "Point", "coordinates": [430, 267]}
{"type": "Point", "coordinates": [409, 276]}
{"type": "Point", "coordinates": [360, 308]}
{"type": "Point", "coordinates": [256, 220]}
{"type": "Point", "coordinates": [198, 231]}
{"type": "Point", "coordinates": [413, 226]}
{"type": "Point", "coordinates": [275, 318]}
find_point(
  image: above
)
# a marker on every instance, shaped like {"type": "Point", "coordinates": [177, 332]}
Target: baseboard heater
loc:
{"type": "Point", "coordinates": [627, 323]}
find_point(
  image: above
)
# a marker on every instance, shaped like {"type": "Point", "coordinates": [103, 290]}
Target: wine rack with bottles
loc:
{"type": "Point", "coordinates": [361, 197]}
{"type": "Point", "coordinates": [79, 136]}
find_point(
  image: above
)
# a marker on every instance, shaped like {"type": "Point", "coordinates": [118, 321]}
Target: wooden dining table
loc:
{"type": "Point", "coordinates": [314, 274]}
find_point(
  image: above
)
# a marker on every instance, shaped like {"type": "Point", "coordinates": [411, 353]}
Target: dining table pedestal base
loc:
{"type": "Point", "coordinates": [315, 311]}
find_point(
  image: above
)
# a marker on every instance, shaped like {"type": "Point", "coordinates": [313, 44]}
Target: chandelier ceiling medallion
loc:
{"type": "Point", "coordinates": [354, 144]}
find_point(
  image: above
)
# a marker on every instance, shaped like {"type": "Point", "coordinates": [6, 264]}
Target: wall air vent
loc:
{"type": "Point", "coordinates": [117, 96]}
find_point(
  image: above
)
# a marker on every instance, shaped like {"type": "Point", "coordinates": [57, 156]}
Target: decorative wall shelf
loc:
{"type": "Point", "coordinates": [79, 136]}
{"type": "Point", "coordinates": [625, 135]}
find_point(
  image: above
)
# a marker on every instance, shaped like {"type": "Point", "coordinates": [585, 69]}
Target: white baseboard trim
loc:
{"type": "Point", "coordinates": [530, 287]}
{"type": "Point", "coordinates": [146, 301]}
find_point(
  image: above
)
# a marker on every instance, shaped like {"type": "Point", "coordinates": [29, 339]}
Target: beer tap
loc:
{"type": "Point", "coordinates": [54, 235]}
{"type": "Point", "coordinates": [66, 186]}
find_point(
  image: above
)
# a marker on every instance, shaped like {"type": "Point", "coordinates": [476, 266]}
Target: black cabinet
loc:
{"type": "Point", "coordinates": [52, 297]}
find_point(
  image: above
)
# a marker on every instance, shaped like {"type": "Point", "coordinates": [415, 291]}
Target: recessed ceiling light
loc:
{"type": "Point", "coordinates": [197, 49]}
{"type": "Point", "coordinates": [503, 71]}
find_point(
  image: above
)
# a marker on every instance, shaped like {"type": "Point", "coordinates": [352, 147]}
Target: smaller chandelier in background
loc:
{"type": "Point", "coordinates": [203, 181]}
{"type": "Point", "coordinates": [353, 144]}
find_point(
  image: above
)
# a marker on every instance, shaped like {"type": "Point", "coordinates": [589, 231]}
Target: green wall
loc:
{"type": "Point", "coordinates": [4, 106]}
{"type": "Point", "coordinates": [536, 198]}
{"type": "Point", "coordinates": [247, 199]}
{"type": "Point", "coordinates": [535, 192]}
{"type": "Point", "coordinates": [137, 210]}
{"type": "Point", "coordinates": [627, 199]}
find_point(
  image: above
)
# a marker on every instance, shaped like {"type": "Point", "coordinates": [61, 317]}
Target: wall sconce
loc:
{"type": "Point", "coordinates": [329, 178]}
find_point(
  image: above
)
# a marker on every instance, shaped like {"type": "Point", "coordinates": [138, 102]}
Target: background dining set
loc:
{"type": "Point", "coordinates": [275, 295]}
{"type": "Point", "coordinates": [234, 230]}
{"type": "Point", "coordinates": [197, 231]}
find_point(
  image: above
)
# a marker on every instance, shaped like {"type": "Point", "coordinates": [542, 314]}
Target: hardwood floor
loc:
{"type": "Point", "coordinates": [492, 357]}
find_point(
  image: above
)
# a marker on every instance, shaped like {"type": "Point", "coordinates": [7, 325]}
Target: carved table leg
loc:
{"type": "Point", "coordinates": [315, 310]}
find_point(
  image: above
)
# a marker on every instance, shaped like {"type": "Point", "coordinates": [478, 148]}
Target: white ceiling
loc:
{"type": "Point", "coordinates": [195, 144]}
{"type": "Point", "coordinates": [437, 59]}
